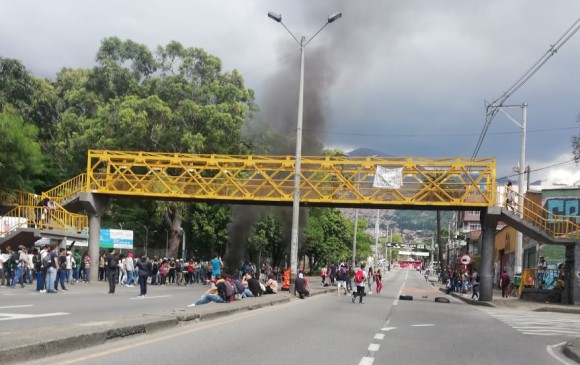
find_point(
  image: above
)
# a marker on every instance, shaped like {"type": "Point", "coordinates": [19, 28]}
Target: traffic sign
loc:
{"type": "Point", "coordinates": [465, 259]}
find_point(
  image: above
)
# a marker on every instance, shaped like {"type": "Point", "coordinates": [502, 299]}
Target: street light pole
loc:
{"type": "Point", "coordinates": [297, 167]}
{"type": "Point", "coordinates": [521, 172]}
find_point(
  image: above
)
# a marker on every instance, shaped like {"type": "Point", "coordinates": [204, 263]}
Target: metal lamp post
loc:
{"type": "Point", "coordinates": [296, 202]}
{"type": "Point", "coordinates": [523, 126]}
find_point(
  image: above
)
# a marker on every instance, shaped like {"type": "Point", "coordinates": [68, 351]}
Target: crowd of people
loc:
{"type": "Point", "coordinates": [48, 266]}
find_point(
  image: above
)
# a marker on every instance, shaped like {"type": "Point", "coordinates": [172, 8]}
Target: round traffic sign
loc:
{"type": "Point", "coordinates": [465, 259]}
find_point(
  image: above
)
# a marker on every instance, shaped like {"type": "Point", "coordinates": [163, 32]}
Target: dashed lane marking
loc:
{"type": "Point", "coordinates": [366, 361]}
{"type": "Point", "coordinates": [379, 336]}
{"type": "Point", "coordinates": [374, 347]}
{"type": "Point", "coordinates": [386, 329]}
{"type": "Point", "coordinates": [423, 325]}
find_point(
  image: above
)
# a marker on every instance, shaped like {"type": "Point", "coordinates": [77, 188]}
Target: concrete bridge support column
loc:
{"type": "Point", "coordinates": [488, 226]}
{"type": "Point", "coordinates": [571, 292]}
{"type": "Point", "coordinates": [95, 206]}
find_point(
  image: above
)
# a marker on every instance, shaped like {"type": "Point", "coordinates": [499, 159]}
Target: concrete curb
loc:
{"type": "Point", "coordinates": [57, 341]}
{"type": "Point", "coordinates": [468, 300]}
{"type": "Point", "coordinates": [572, 350]}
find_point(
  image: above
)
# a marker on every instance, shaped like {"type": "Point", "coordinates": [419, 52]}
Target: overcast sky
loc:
{"type": "Point", "coordinates": [400, 77]}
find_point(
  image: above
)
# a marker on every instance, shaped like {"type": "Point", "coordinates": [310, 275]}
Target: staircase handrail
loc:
{"type": "Point", "coordinates": [556, 225]}
{"type": "Point", "coordinates": [28, 216]}
{"type": "Point", "coordinates": [68, 188]}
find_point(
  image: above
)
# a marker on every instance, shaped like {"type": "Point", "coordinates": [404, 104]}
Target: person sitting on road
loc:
{"type": "Point", "coordinates": [212, 294]}
{"type": "Point", "coordinates": [254, 285]}
{"type": "Point", "coordinates": [301, 286]}
{"type": "Point", "coordinates": [271, 285]}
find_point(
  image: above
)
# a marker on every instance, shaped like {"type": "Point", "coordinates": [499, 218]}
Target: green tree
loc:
{"type": "Point", "coordinates": [266, 237]}
{"type": "Point", "coordinates": [21, 162]}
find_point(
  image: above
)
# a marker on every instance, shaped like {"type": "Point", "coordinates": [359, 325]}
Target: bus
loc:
{"type": "Point", "coordinates": [410, 264]}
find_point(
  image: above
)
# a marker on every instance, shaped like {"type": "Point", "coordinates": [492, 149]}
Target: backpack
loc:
{"type": "Point", "coordinates": [45, 260]}
{"type": "Point", "coordinates": [222, 291]}
{"type": "Point", "coordinates": [113, 262]}
{"type": "Point", "coordinates": [238, 287]}
{"type": "Point", "coordinates": [230, 291]}
{"type": "Point", "coordinates": [62, 262]}
{"type": "Point", "coordinates": [477, 278]}
{"type": "Point", "coordinates": [341, 275]}
{"type": "Point", "coordinates": [15, 258]}
{"type": "Point", "coordinates": [359, 276]}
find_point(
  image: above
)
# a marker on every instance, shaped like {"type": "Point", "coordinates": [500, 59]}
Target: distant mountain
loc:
{"type": "Point", "coordinates": [362, 151]}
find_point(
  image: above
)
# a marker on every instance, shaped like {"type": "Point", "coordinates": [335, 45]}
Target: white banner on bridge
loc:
{"type": "Point", "coordinates": [388, 178]}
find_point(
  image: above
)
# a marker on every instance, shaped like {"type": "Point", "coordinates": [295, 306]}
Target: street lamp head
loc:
{"type": "Point", "coordinates": [333, 17]}
{"type": "Point", "coordinates": [276, 17]}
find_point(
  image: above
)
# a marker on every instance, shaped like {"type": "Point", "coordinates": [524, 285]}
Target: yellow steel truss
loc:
{"type": "Point", "coordinates": [326, 180]}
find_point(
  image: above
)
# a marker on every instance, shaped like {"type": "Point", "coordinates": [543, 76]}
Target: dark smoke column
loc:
{"type": "Point", "coordinates": [296, 202]}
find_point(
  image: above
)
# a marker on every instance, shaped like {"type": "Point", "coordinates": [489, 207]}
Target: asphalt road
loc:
{"type": "Point", "coordinates": [26, 309]}
{"type": "Point", "coordinates": [330, 329]}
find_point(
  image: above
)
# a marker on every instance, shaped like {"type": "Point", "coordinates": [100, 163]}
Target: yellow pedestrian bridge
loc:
{"type": "Point", "coordinates": [342, 181]}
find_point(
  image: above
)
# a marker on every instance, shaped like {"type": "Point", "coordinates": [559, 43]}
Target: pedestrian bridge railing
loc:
{"type": "Point", "coordinates": [557, 226]}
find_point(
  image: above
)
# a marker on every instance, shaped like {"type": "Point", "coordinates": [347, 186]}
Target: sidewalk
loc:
{"type": "Point", "coordinates": [23, 346]}
{"type": "Point", "coordinates": [571, 349]}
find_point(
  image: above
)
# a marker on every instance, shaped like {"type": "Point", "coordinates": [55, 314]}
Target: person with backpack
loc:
{"type": "Point", "coordinates": [360, 282]}
{"type": "Point", "coordinates": [475, 285]}
{"type": "Point", "coordinates": [145, 267]}
{"type": "Point", "coordinates": [61, 271]}
{"type": "Point", "coordinates": [112, 265]}
{"type": "Point", "coordinates": [341, 280]}
{"type": "Point", "coordinates": [51, 263]}
{"type": "Point", "coordinates": [19, 262]}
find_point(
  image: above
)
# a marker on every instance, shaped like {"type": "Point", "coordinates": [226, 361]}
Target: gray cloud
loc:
{"type": "Point", "coordinates": [406, 78]}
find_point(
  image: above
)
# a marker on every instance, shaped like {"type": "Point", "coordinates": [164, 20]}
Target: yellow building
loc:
{"type": "Point", "coordinates": [505, 248]}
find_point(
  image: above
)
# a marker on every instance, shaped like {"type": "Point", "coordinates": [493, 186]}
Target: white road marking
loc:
{"type": "Point", "coordinates": [12, 316]}
{"type": "Point", "coordinates": [556, 355]}
{"type": "Point", "coordinates": [538, 323]}
{"type": "Point", "coordinates": [374, 347]}
{"type": "Point", "coordinates": [18, 306]}
{"type": "Point", "coordinates": [379, 336]}
{"type": "Point", "coordinates": [155, 297]}
{"type": "Point", "coordinates": [387, 328]}
{"type": "Point", "coordinates": [423, 325]}
{"type": "Point", "coordinates": [366, 361]}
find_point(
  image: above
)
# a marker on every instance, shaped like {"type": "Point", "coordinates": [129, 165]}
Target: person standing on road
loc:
{"type": "Point", "coordinates": [145, 268]}
{"type": "Point", "coordinates": [360, 277]}
{"type": "Point", "coordinates": [504, 282]}
{"type": "Point", "coordinates": [370, 276]}
{"type": "Point", "coordinates": [112, 264]}
{"type": "Point", "coordinates": [379, 281]}
{"type": "Point", "coordinates": [475, 285]}
{"type": "Point", "coordinates": [216, 266]}
{"type": "Point", "coordinates": [51, 270]}
{"type": "Point", "coordinates": [341, 280]}
{"type": "Point", "coordinates": [21, 266]}
{"type": "Point", "coordinates": [61, 271]}
{"type": "Point", "coordinates": [130, 268]}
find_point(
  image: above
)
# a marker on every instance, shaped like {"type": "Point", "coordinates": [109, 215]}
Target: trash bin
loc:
{"type": "Point", "coordinates": [517, 280]}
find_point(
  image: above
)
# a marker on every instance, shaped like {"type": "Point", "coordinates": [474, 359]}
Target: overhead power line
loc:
{"type": "Point", "coordinates": [491, 109]}
{"type": "Point", "coordinates": [539, 169]}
